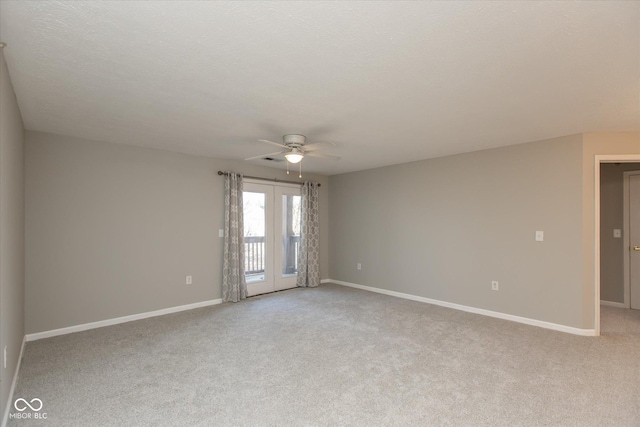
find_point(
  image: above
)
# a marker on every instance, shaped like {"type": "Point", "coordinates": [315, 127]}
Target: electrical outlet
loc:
{"type": "Point", "coordinates": [539, 236]}
{"type": "Point", "coordinates": [189, 280]}
{"type": "Point", "coordinates": [495, 285]}
{"type": "Point", "coordinates": [221, 232]}
{"type": "Point", "coordinates": [359, 266]}
{"type": "Point", "coordinates": [617, 233]}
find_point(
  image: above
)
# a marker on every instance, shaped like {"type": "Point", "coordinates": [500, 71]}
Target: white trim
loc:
{"type": "Point", "coordinates": [618, 158]}
{"type": "Point", "coordinates": [496, 314]}
{"type": "Point", "coordinates": [596, 262]}
{"type": "Point", "coordinates": [117, 320]}
{"type": "Point", "coordinates": [13, 384]}
{"type": "Point", "coordinates": [626, 230]}
{"type": "Point", "coordinates": [602, 158]}
{"type": "Point", "coordinates": [613, 304]}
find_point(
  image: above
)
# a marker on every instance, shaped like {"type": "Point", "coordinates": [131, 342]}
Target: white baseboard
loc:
{"type": "Point", "coordinates": [496, 314]}
{"type": "Point", "coordinates": [613, 304]}
{"type": "Point", "coordinates": [5, 417]}
{"type": "Point", "coordinates": [117, 320]}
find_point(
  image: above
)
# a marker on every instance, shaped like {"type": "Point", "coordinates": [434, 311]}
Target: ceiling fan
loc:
{"type": "Point", "coordinates": [294, 149]}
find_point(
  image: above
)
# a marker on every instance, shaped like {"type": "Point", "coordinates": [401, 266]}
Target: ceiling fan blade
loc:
{"type": "Point", "coordinates": [318, 146]}
{"type": "Point", "coordinates": [273, 143]}
{"type": "Point", "coordinates": [266, 155]}
{"type": "Point", "coordinates": [322, 155]}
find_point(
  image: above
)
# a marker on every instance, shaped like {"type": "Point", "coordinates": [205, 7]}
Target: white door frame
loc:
{"type": "Point", "coordinates": [599, 159]}
{"type": "Point", "coordinates": [273, 258]}
{"type": "Point", "coordinates": [626, 229]}
{"type": "Point", "coordinates": [281, 281]}
{"type": "Point", "coordinates": [265, 285]}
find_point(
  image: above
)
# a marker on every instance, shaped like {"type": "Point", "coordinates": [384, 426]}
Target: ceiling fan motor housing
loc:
{"type": "Point", "coordinates": [294, 140]}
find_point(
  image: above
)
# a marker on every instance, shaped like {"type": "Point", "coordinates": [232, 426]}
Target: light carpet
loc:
{"type": "Point", "coordinates": [335, 356]}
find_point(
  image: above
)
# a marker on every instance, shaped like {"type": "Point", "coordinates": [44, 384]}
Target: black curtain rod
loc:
{"type": "Point", "coordinates": [266, 179]}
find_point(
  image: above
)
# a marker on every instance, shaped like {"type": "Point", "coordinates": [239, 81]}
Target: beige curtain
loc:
{"type": "Point", "coordinates": [234, 286]}
{"type": "Point", "coordinates": [309, 251]}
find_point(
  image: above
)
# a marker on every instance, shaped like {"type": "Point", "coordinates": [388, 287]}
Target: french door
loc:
{"type": "Point", "coordinates": [271, 236]}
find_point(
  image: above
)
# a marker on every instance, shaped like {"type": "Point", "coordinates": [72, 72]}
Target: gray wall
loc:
{"type": "Point", "coordinates": [112, 230]}
{"type": "Point", "coordinates": [11, 231]}
{"type": "Point", "coordinates": [445, 228]}
{"type": "Point", "coordinates": [611, 217]}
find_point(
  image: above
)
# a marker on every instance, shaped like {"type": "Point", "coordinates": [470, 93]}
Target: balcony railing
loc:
{"type": "Point", "coordinates": [254, 255]}
{"type": "Point", "coordinates": [290, 256]}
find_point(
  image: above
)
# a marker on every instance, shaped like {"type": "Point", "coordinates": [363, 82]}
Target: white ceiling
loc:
{"type": "Point", "coordinates": [388, 82]}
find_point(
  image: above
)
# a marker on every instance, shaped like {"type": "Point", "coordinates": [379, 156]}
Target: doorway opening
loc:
{"type": "Point", "coordinates": [611, 240]}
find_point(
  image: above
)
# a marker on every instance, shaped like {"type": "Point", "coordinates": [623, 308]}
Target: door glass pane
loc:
{"type": "Point", "coordinates": [254, 235]}
{"type": "Point", "coordinates": [290, 233]}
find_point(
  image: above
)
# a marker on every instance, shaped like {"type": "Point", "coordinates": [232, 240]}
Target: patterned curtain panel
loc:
{"type": "Point", "coordinates": [234, 286]}
{"type": "Point", "coordinates": [309, 251]}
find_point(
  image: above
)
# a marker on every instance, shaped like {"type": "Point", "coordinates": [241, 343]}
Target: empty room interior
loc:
{"type": "Point", "coordinates": [320, 213]}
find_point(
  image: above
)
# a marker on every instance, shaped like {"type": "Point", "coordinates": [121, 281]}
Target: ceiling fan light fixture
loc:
{"type": "Point", "coordinates": [294, 157]}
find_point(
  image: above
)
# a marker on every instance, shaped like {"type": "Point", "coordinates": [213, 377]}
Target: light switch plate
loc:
{"type": "Point", "coordinates": [221, 232]}
{"type": "Point", "coordinates": [617, 233]}
{"type": "Point", "coordinates": [539, 236]}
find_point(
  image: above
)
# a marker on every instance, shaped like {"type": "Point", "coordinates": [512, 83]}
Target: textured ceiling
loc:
{"type": "Point", "coordinates": [388, 82]}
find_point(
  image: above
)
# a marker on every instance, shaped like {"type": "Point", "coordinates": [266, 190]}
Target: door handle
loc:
{"type": "Point", "coordinates": [636, 248]}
